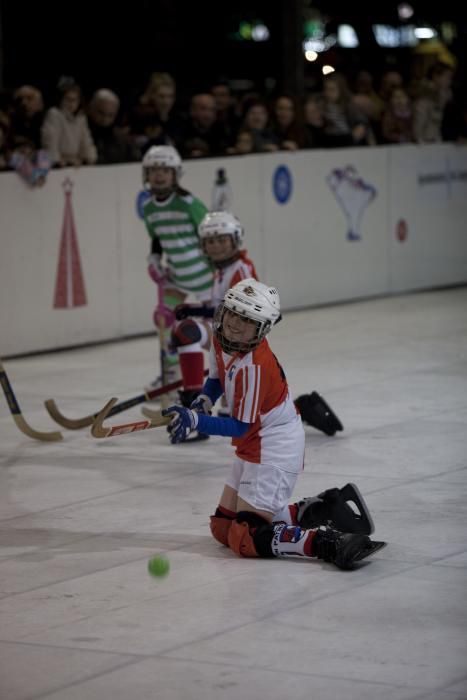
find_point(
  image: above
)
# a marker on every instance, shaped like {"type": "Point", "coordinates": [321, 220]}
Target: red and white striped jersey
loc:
{"type": "Point", "coordinates": [256, 391]}
{"type": "Point", "coordinates": [224, 279]}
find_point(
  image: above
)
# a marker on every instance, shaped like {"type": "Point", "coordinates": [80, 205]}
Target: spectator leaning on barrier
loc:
{"type": "Point", "coordinates": [27, 116]}
{"type": "Point", "coordinates": [430, 107]}
{"type": "Point", "coordinates": [287, 124]}
{"type": "Point", "coordinates": [344, 123]}
{"type": "Point", "coordinates": [112, 144]}
{"type": "Point", "coordinates": [397, 119]}
{"type": "Point", "coordinates": [314, 120]}
{"type": "Point", "coordinates": [256, 118]}
{"type": "Point", "coordinates": [65, 131]}
{"type": "Point", "coordinates": [156, 109]}
{"type": "Point", "coordinates": [203, 135]}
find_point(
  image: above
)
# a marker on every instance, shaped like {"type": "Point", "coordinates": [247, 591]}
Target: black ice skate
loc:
{"type": "Point", "coordinates": [315, 411]}
{"type": "Point", "coordinates": [343, 549]}
{"type": "Point", "coordinates": [341, 509]}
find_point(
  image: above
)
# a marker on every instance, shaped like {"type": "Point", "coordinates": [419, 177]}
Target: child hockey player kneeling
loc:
{"type": "Point", "coordinates": [253, 517]}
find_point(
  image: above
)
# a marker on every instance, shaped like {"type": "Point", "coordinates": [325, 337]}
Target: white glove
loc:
{"type": "Point", "coordinates": [202, 404]}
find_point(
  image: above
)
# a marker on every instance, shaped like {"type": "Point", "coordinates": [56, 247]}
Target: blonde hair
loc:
{"type": "Point", "coordinates": [155, 82]}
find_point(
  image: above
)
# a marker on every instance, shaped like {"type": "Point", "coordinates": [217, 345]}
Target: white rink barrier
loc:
{"type": "Point", "coordinates": [322, 226]}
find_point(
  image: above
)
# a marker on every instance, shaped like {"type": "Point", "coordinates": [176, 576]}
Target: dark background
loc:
{"type": "Point", "coordinates": [103, 44]}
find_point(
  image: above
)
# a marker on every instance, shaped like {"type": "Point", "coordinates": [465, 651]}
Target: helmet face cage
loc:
{"type": "Point", "coordinates": [221, 223]}
{"type": "Point", "coordinates": [162, 157]}
{"type": "Point", "coordinates": [231, 346]}
{"type": "Point", "coordinates": [251, 300]}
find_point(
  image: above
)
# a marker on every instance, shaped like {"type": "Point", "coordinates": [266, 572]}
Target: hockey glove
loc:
{"type": "Point", "coordinates": [156, 272]}
{"type": "Point", "coordinates": [162, 311]}
{"type": "Point", "coordinates": [202, 404]}
{"type": "Point", "coordinates": [182, 424]}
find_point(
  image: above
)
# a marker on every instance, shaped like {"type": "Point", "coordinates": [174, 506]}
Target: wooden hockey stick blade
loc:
{"type": "Point", "coordinates": [13, 405]}
{"type": "Point", "coordinates": [150, 413]}
{"type": "Point", "coordinates": [77, 423]}
{"type": "Point", "coordinates": [50, 436]}
{"type": "Point", "coordinates": [70, 423]}
{"type": "Point", "coordinates": [98, 430]}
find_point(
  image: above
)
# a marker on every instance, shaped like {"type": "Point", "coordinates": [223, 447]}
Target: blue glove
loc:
{"type": "Point", "coordinates": [182, 424]}
{"type": "Point", "coordinates": [202, 404]}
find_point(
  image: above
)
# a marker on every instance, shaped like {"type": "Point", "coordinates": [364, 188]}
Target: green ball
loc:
{"type": "Point", "coordinates": [159, 565]}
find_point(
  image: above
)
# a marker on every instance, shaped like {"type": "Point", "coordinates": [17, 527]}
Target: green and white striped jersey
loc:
{"type": "Point", "coordinates": [174, 222]}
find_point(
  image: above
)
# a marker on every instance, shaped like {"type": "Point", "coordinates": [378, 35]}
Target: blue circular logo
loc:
{"type": "Point", "coordinates": [282, 184]}
{"type": "Point", "coordinates": [141, 198]}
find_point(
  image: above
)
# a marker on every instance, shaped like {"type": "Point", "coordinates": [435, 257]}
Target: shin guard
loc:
{"type": "Point", "coordinates": [220, 524]}
{"type": "Point", "coordinates": [250, 535]}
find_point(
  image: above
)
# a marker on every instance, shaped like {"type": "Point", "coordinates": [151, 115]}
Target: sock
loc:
{"type": "Point", "coordinates": [291, 540]}
{"type": "Point", "coordinates": [192, 366]}
{"type": "Point", "coordinates": [288, 515]}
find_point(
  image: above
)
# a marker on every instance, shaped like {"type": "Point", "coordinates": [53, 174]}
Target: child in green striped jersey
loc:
{"type": "Point", "coordinates": [176, 259]}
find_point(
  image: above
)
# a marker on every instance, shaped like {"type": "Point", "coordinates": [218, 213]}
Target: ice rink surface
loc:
{"type": "Point", "coordinates": [80, 618]}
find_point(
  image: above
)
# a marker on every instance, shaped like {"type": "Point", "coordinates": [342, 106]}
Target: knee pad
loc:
{"type": "Point", "coordinates": [220, 529]}
{"type": "Point", "coordinates": [187, 332]}
{"type": "Point", "coordinates": [250, 535]}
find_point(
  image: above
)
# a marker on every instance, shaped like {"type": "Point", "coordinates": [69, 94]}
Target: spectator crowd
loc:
{"type": "Point", "coordinates": [75, 131]}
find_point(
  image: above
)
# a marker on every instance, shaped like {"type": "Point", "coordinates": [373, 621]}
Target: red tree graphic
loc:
{"type": "Point", "coordinates": [69, 285]}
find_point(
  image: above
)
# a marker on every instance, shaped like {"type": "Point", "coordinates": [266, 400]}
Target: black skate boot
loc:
{"type": "Point", "coordinates": [315, 411]}
{"type": "Point", "coordinates": [341, 509]}
{"type": "Point", "coordinates": [343, 549]}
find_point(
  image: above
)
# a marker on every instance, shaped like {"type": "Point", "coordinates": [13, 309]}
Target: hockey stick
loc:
{"type": "Point", "coordinates": [15, 411]}
{"type": "Point", "coordinates": [150, 413]}
{"type": "Point", "coordinates": [159, 315]}
{"type": "Point", "coordinates": [77, 423]}
{"type": "Point", "coordinates": [98, 430]}
{"type": "Point", "coordinates": [155, 416]}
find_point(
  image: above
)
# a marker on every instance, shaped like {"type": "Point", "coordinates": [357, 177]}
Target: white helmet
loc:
{"type": "Point", "coordinates": [221, 223]}
{"type": "Point", "coordinates": [253, 300]}
{"type": "Point", "coordinates": [164, 157]}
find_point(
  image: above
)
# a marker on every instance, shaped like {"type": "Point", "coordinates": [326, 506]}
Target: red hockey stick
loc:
{"type": "Point", "coordinates": [98, 430]}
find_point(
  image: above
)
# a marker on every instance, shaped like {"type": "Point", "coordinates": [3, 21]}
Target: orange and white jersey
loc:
{"type": "Point", "coordinates": [242, 269]}
{"type": "Point", "coordinates": [256, 391]}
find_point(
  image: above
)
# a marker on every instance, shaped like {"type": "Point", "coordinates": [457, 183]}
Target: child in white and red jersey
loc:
{"type": "Point", "coordinates": [253, 517]}
{"type": "Point", "coordinates": [221, 235]}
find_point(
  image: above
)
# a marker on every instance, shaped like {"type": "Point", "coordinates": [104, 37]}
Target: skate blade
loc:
{"type": "Point", "coordinates": [370, 548]}
{"type": "Point", "coordinates": [363, 522]}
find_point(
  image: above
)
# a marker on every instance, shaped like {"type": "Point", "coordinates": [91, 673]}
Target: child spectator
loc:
{"type": "Point", "coordinates": [65, 131]}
